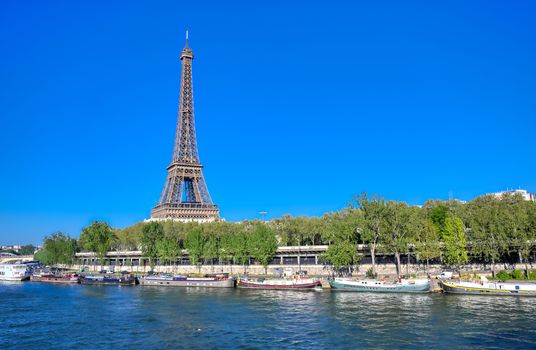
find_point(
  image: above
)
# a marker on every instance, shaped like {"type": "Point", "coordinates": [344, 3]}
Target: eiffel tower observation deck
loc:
{"type": "Point", "coordinates": [185, 195]}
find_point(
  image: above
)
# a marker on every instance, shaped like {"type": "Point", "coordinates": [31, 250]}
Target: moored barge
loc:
{"type": "Point", "coordinates": [123, 280]}
{"type": "Point", "coordinates": [401, 286]}
{"type": "Point", "coordinates": [210, 281]}
{"type": "Point", "coordinates": [280, 283]}
{"type": "Point", "coordinates": [486, 287]}
{"type": "Point", "coordinates": [54, 278]}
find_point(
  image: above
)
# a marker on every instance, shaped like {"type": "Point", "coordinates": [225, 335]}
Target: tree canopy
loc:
{"type": "Point", "coordinates": [58, 248]}
{"type": "Point", "coordinates": [98, 237]}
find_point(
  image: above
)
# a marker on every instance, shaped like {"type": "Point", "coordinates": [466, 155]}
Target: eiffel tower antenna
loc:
{"type": "Point", "coordinates": [185, 195]}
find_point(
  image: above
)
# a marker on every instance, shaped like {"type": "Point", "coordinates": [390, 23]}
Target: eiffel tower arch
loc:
{"type": "Point", "coordinates": [185, 195]}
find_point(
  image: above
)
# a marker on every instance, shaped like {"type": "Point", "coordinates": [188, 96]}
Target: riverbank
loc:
{"type": "Point", "coordinates": [312, 269]}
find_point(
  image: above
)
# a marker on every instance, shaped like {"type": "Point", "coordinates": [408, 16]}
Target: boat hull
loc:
{"type": "Point", "coordinates": [358, 286]}
{"type": "Point", "coordinates": [55, 279]}
{"type": "Point", "coordinates": [14, 279]}
{"type": "Point", "coordinates": [130, 281]}
{"type": "Point", "coordinates": [14, 272]}
{"type": "Point", "coordinates": [269, 285]}
{"type": "Point", "coordinates": [224, 283]}
{"type": "Point", "coordinates": [452, 288]}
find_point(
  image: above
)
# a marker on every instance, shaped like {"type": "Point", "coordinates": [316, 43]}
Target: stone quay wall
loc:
{"type": "Point", "coordinates": [312, 270]}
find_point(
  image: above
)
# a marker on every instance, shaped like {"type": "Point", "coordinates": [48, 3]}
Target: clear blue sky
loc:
{"type": "Point", "coordinates": [299, 106]}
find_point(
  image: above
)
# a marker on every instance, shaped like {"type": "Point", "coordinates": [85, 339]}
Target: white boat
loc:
{"type": "Point", "coordinates": [401, 286]}
{"type": "Point", "coordinates": [280, 283]}
{"type": "Point", "coordinates": [14, 272]}
{"type": "Point", "coordinates": [486, 287]}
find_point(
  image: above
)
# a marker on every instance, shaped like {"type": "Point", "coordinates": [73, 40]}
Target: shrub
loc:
{"type": "Point", "coordinates": [503, 275]}
{"type": "Point", "coordinates": [532, 275]}
{"type": "Point", "coordinates": [370, 274]}
{"type": "Point", "coordinates": [518, 275]}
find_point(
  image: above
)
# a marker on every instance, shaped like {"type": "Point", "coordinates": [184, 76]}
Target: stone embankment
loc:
{"type": "Point", "coordinates": [312, 270]}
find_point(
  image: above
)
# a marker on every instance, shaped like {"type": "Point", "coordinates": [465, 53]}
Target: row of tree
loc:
{"type": "Point", "coordinates": [487, 228]}
{"type": "Point", "coordinates": [235, 243]}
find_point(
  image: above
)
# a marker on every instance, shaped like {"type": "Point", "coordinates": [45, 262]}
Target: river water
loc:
{"type": "Point", "coordinates": [42, 316]}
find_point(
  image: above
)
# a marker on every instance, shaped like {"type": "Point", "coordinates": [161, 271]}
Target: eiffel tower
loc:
{"type": "Point", "coordinates": [185, 195]}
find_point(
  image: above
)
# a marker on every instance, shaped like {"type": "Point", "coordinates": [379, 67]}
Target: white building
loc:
{"type": "Point", "coordinates": [524, 193]}
{"type": "Point", "coordinates": [15, 248]}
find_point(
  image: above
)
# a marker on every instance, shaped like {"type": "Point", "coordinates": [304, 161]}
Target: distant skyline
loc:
{"type": "Point", "coordinates": [299, 106]}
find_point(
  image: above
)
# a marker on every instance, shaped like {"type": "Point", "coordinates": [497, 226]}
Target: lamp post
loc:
{"type": "Point", "coordinates": [263, 213]}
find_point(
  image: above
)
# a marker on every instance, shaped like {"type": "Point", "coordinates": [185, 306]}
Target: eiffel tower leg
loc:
{"type": "Point", "coordinates": [197, 193]}
{"type": "Point", "coordinates": [204, 195]}
{"type": "Point", "coordinates": [165, 192]}
{"type": "Point", "coordinates": [176, 194]}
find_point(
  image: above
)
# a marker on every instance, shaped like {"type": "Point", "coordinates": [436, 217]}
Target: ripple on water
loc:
{"type": "Point", "coordinates": [37, 316]}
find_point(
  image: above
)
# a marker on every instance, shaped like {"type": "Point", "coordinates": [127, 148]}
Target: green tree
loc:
{"type": "Point", "coordinates": [57, 249]}
{"type": "Point", "coordinates": [28, 249]}
{"type": "Point", "coordinates": [44, 257]}
{"type": "Point", "coordinates": [195, 244]}
{"type": "Point", "coordinates": [99, 238]}
{"type": "Point", "coordinates": [168, 249]}
{"type": "Point", "coordinates": [227, 242]}
{"type": "Point", "coordinates": [263, 244]}
{"type": "Point", "coordinates": [313, 228]}
{"type": "Point", "coordinates": [241, 246]}
{"type": "Point", "coordinates": [373, 226]}
{"type": "Point", "coordinates": [488, 229]}
{"type": "Point", "coordinates": [515, 221]}
{"type": "Point", "coordinates": [290, 230]}
{"type": "Point", "coordinates": [455, 242]}
{"type": "Point", "coordinates": [398, 222]}
{"type": "Point", "coordinates": [531, 230]}
{"type": "Point", "coordinates": [342, 225]}
{"type": "Point", "coordinates": [129, 237]}
{"type": "Point", "coordinates": [152, 233]}
{"type": "Point", "coordinates": [438, 212]}
{"type": "Point", "coordinates": [177, 230]}
{"type": "Point", "coordinates": [340, 254]}
{"type": "Point", "coordinates": [211, 249]}
{"type": "Point", "coordinates": [426, 242]}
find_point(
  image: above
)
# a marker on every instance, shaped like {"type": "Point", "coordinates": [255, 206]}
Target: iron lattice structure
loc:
{"type": "Point", "coordinates": [185, 195]}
